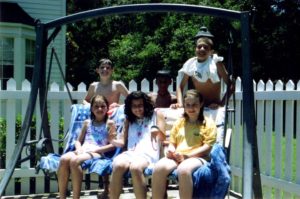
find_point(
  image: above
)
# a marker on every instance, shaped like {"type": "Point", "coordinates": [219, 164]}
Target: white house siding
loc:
{"type": "Point", "coordinates": [47, 11]}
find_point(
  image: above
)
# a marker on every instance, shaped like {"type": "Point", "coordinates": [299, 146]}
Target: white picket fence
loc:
{"type": "Point", "coordinates": [278, 130]}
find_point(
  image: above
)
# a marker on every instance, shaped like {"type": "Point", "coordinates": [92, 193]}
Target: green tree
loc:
{"type": "Point", "coordinates": [275, 40]}
{"type": "Point", "coordinates": [140, 44]}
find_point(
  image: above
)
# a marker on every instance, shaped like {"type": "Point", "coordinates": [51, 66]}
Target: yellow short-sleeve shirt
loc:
{"type": "Point", "coordinates": [187, 137]}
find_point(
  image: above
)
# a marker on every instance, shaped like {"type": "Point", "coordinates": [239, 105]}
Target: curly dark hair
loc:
{"type": "Point", "coordinates": [98, 98]}
{"type": "Point", "coordinates": [195, 94]}
{"type": "Point", "coordinates": [148, 105]}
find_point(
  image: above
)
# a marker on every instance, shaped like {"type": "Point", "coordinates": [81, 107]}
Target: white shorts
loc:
{"type": "Point", "coordinates": [130, 156]}
{"type": "Point", "coordinates": [218, 115]}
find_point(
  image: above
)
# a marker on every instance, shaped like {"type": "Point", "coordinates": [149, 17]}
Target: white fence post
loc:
{"type": "Point", "coordinates": [289, 127]}
{"type": "Point", "coordinates": [25, 182]}
{"type": "Point", "coordinates": [298, 137]}
{"type": "Point", "coordinates": [267, 153]}
{"type": "Point", "coordinates": [278, 132]}
{"type": "Point", "coordinates": [10, 132]}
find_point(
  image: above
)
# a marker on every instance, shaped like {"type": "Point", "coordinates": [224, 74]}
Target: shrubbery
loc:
{"type": "Point", "coordinates": [33, 135]}
{"type": "Point", "coordinates": [2, 141]}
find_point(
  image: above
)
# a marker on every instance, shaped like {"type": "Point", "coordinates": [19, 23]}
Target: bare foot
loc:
{"type": "Point", "coordinates": [103, 195]}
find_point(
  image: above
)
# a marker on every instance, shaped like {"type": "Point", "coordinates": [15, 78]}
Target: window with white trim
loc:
{"type": "Point", "coordinates": [6, 60]}
{"type": "Point", "coordinates": [29, 62]}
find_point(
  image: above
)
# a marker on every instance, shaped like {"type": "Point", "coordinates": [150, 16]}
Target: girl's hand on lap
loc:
{"type": "Point", "coordinates": [79, 151]}
{"type": "Point", "coordinates": [179, 157]}
{"type": "Point", "coordinates": [170, 155]}
{"type": "Point", "coordinates": [170, 152]}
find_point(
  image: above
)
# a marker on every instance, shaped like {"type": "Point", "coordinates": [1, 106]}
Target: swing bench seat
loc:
{"type": "Point", "coordinates": [210, 181]}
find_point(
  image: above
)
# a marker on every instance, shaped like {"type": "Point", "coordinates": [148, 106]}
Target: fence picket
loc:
{"type": "Point", "coordinates": [81, 87]}
{"type": "Point", "coordinates": [237, 138]}
{"type": "Point", "coordinates": [298, 137]}
{"type": "Point", "coordinates": [10, 135]}
{"type": "Point", "coordinates": [260, 115]}
{"type": "Point", "coordinates": [278, 137]}
{"type": "Point", "coordinates": [145, 86]}
{"type": "Point", "coordinates": [289, 126]}
{"type": "Point", "coordinates": [132, 85]}
{"type": "Point", "coordinates": [268, 136]}
{"type": "Point", "coordinates": [25, 183]}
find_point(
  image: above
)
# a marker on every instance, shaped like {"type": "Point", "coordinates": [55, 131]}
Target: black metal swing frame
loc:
{"type": "Point", "coordinates": [251, 172]}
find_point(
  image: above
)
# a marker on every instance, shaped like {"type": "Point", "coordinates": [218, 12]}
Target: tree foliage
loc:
{"type": "Point", "coordinates": [275, 40]}
{"type": "Point", "coordinates": [140, 44]}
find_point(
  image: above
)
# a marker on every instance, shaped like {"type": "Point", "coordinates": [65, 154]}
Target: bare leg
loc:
{"type": "Point", "coordinates": [120, 166]}
{"type": "Point", "coordinates": [63, 174]}
{"type": "Point", "coordinates": [185, 170]}
{"type": "Point", "coordinates": [106, 183]}
{"type": "Point", "coordinates": [77, 173]}
{"type": "Point", "coordinates": [77, 176]}
{"type": "Point", "coordinates": [159, 177]}
{"type": "Point", "coordinates": [105, 193]}
{"type": "Point", "coordinates": [137, 167]}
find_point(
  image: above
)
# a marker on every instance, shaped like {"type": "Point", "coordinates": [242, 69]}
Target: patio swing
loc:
{"type": "Point", "coordinates": [49, 162]}
{"type": "Point", "coordinates": [250, 154]}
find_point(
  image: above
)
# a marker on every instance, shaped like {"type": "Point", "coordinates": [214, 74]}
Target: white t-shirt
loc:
{"type": "Point", "coordinates": [202, 71]}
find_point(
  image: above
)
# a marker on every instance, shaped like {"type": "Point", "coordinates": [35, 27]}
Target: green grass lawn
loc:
{"type": "Point", "coordinates": [283, 163]}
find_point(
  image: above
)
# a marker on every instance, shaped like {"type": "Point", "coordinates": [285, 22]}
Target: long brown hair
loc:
{"type": "Point", "coordinates": [195, 94]}
{"type": "Point", "coordinates": [98, 98]}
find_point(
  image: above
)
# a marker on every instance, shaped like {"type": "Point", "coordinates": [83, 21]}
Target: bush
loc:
{"type": "Point", "coordinates": [32, 135]}
{"type": "Point", "coordinates": [3, 142]}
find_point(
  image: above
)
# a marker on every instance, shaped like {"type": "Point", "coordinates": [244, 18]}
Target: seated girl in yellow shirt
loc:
{"type": "Point", "coordinates": [191, 140]}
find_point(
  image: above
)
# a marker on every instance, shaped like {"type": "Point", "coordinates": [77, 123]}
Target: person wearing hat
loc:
{"type": "Point", "coordinates": [203, 32]}
{"type": "Point", "coordinates": [206, 71]}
